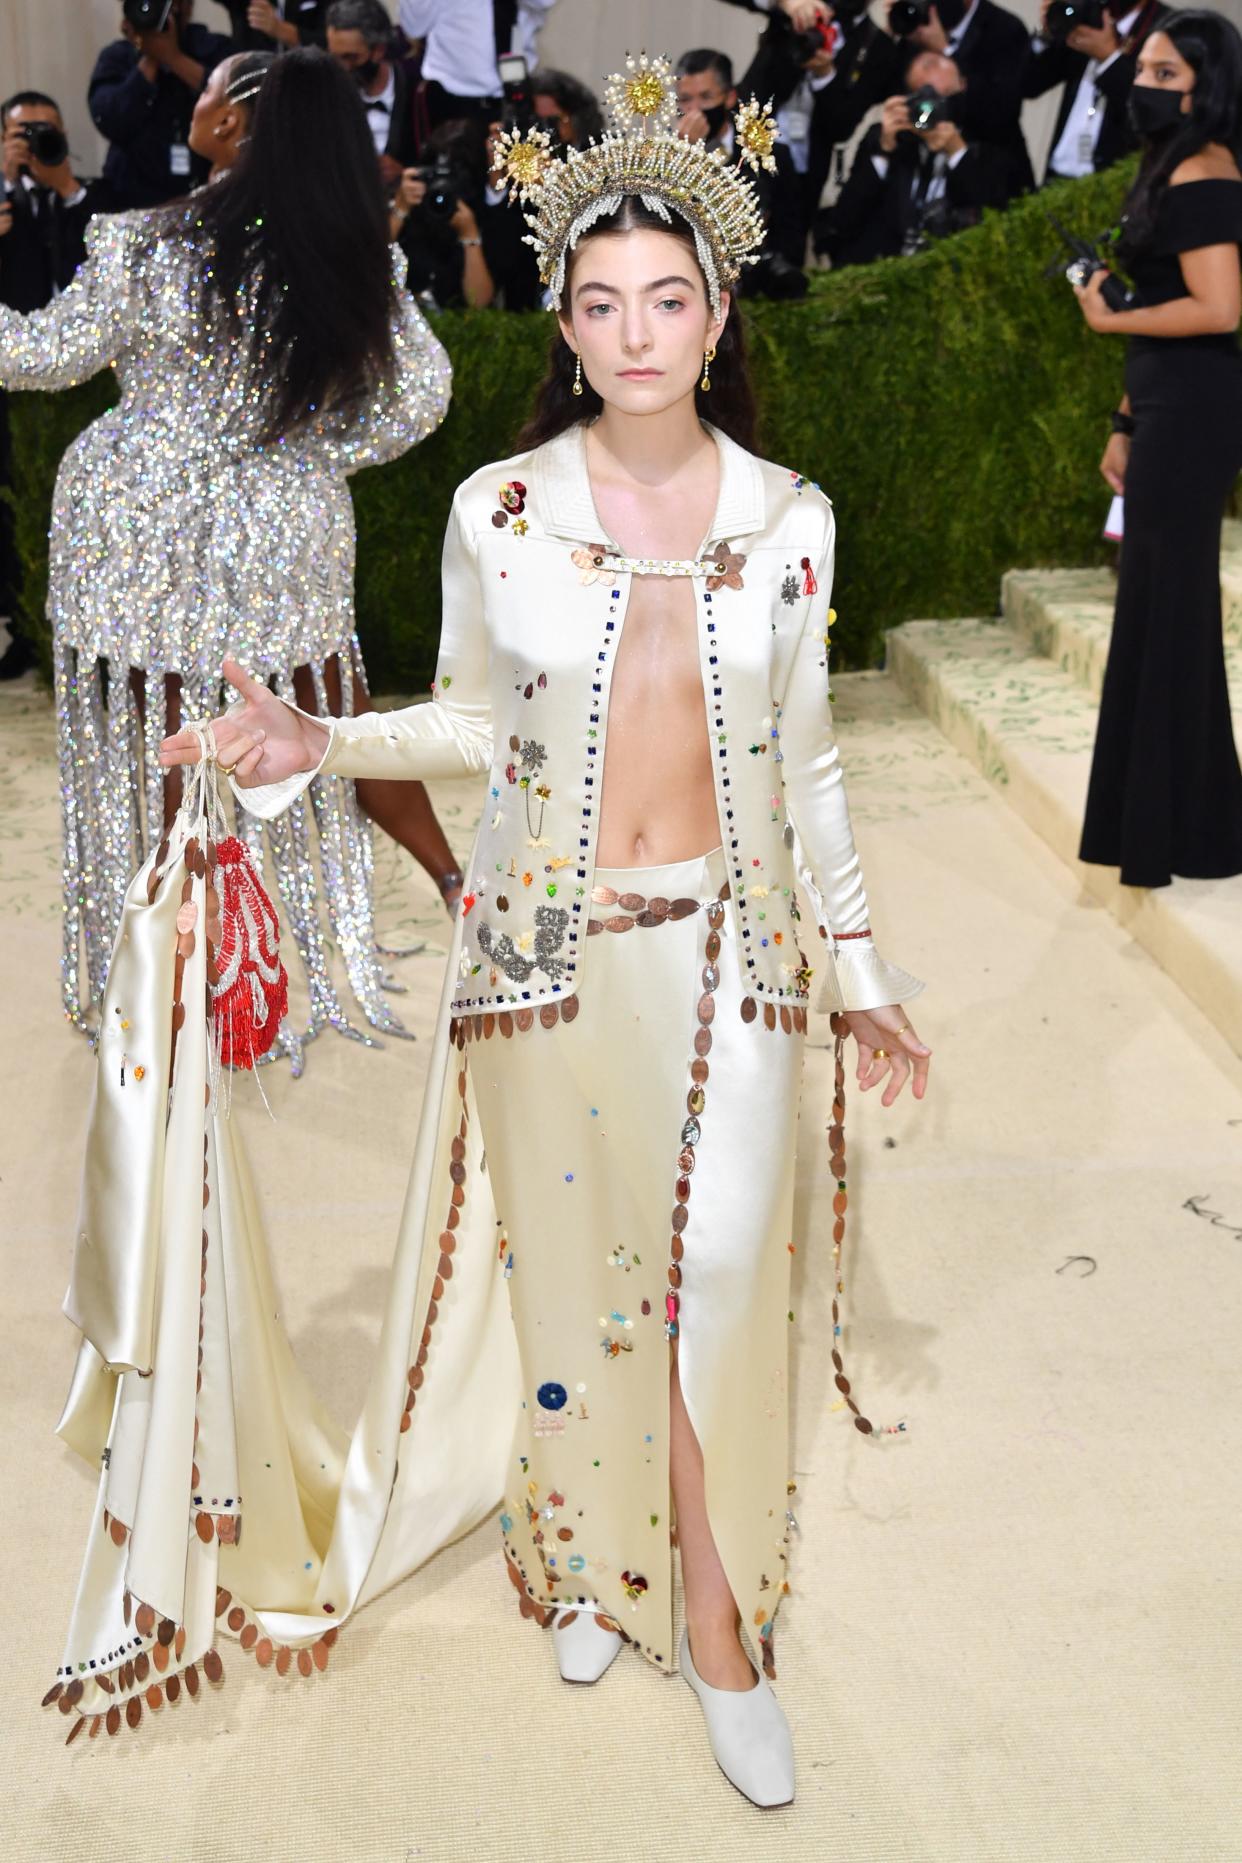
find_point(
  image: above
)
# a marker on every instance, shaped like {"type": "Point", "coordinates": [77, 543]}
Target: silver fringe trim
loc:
{"type": "Point", "coordinates": [112, 815]}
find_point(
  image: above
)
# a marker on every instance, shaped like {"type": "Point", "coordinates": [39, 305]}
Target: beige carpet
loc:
{"type": "Point", "coordinates": [1013, 1634]}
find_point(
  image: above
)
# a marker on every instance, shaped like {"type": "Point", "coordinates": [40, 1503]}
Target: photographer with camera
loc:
{"type": "Point", "coordinates": [1090, 48]}
{"type": "Point", "coordinates": [706, 100]}
{"type": "Point", "coordinates": [44, 210]}
{"type": "Point", "coordinates": [436, 224]}
{"type": "Point", "coordinates": [1165, 796]}
{"type": "Point", "coordinates": [824, 66]}
{"type": "Point", "coordinates": [566, 107]}
{"type": "Point", "coordinates": [360, 36]}
{"type": "Point", "coordinates": [142, 94]}
{"type": "Point", "coordinates": [275, 25]}
{"type": "Point", "coordinates": [915, 176]}
{"type": "Point", "coordinates": [989, 46]}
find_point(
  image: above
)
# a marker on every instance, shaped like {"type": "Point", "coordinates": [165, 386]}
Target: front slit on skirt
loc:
{"type": "Point", "coordinates": [641, 1156]}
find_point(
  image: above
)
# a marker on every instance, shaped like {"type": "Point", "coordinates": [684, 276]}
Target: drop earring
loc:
{"type": "Point", "coordinates": [578, 377]}
{"type": "Point", "coordinates": [709, 356]}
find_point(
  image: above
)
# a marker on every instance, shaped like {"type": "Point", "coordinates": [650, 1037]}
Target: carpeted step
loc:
{"type": "Point", "coordinates": [1029, 726]}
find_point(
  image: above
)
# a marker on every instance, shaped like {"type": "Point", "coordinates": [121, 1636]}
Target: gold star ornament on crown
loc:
{"type": "Point", "coordinates": [641, 154]}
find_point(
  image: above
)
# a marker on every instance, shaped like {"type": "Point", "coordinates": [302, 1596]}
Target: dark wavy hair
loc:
{"type": "Point", "coordinates": [729, 403]}
{"type": "Point", "coordinates": [573, 97]}
{"type": "Point", "coordinates": [294, 242]}
{"type": "Point", "coordinates": [1212, 48]}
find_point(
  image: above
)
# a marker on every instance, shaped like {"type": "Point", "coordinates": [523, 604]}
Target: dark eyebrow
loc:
{"type": "Point", "coordinates": [592, 284]}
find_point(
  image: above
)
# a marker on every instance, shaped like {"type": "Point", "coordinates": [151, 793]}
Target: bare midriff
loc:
{"type": "Point", "coordinates": [659, 801]}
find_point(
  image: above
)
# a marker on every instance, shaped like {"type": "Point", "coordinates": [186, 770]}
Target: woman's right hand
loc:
{"type": "Point", "coordinates": [1116, 459]}
{"type": "Point", "coordinates": [264, 742]}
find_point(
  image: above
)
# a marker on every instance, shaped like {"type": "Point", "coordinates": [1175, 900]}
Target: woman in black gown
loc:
{"type": "Point", "coordinates": [1166, 790]}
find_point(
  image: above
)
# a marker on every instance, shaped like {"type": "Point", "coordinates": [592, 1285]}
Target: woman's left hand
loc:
{"type": "Point", "coordinates": [888, 1044]}
{"type": "Point", "coordinates": [1094, 309]}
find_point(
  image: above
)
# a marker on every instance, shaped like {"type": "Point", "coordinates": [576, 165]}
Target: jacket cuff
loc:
{"type": "Point", "coordinates": [857, 977]}
{"type": "Point", "coordinates": [267, 800]}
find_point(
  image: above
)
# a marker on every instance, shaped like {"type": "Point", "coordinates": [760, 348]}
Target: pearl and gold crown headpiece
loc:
{"type": "Point", "coordinates": [641, 154]}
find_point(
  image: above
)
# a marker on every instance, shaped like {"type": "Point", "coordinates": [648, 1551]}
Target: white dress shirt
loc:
{"type": "Point", "coordinates": [379, 112]}
{"type": "Point", "coordinates": [460, 40]}
{"type": "Point", "coordinates": [1075, 150]}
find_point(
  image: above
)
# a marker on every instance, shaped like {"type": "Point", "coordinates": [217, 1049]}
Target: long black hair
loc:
{"type": "Point", "coordinates": [1212, 48]}
{"type": "Point", "coordinates": [730, 402]}
{"type": "Point", "coordinates": [294, 241]}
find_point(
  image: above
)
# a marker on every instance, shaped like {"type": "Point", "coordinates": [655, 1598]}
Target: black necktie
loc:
{"type": "Point", "coordinates": [504, 16]}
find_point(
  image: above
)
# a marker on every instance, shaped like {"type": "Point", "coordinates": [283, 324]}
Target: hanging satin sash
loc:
{"type": "Point", "coordinates": [229, 1501]}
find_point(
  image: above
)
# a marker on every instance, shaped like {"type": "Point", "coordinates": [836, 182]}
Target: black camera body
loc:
{"type": "Point", "coordinates": [1085, 262]}
{"type": "Point", "coordinates": [927, 108]}
{"type": "Point", "coordinates": [445, 186]}
{"type": "Point", "coordinates": [906, 16]}
{"type": "Point", "coordinates": [1064, 15]}
{"type": "Point", "coordinates": [518, 110]}
{"type": "Point", "coordinates": [809, 43]}
{"type": "Point", "coordinates": [147, 15]}
{"type": "Point", "coordinates": [47, 144]}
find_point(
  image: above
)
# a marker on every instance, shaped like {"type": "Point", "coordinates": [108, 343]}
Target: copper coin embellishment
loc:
{"type": "Point", "coordinates": [711, 950]}
{"type": "Point", "coordinates": [187, 916]}
{"type": "Point", "coordinates": [750, 1009]}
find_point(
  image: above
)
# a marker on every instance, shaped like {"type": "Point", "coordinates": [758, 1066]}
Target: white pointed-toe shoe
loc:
{"type": "Point", "coordinates": [748, 1732]}
{"type": "Point", "coordinates": [584, 1649]}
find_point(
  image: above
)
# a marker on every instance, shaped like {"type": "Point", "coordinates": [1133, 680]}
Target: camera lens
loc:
{"type": "Point", "coordinates": [46, 143]}
{"type": "Point", "coordinates": [905, 16]}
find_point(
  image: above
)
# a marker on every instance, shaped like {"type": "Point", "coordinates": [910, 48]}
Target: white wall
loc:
{"type": "Point", "coordinates": [51, 45]}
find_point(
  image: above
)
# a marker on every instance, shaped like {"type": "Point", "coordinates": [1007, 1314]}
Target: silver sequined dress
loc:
{"type": "Point", "coordinates": [174, 536]}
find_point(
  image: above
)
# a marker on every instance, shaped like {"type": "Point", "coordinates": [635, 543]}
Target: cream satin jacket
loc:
{"type": "Point", "coordinates": [535, 598]}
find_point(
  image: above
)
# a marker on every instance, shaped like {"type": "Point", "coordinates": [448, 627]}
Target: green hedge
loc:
{"type": "Point", "coordinates": [953, 406]}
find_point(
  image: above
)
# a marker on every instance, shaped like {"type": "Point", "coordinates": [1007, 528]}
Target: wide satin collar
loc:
{"type": "Point", "coordinates": [563, 490]}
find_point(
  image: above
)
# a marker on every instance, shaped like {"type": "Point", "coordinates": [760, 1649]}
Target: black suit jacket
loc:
{"type": "Point", "coordinates": [873, 214]}
{"type": "Point", "coordinates": [44, 246]}
{"type": "Point", "coordinates": [1048, 65]}
{"type": "Point", "coordinates": [403, 135]}
{"type": "Point", "coordinates": [309, 16]}
{"type": "Point", "coordinates": [143, 121]}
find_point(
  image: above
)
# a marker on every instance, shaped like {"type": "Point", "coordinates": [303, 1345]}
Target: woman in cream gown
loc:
{"type": "Point", "coordinates": [592, 1333]}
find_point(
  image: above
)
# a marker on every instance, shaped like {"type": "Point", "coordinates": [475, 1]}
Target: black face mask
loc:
{"type": "Point", "coordinates": [716, 118]}
{"type": "Point", "coordinates": [1152, 111]}
{"type": "Point", "coordinates": [366, 74]}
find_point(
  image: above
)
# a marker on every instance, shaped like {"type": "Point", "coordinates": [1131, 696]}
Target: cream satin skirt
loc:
{"type": "Point", "coordinates": [590, 1182]}
{"type": "Point", "coordinates": [641, 1153]}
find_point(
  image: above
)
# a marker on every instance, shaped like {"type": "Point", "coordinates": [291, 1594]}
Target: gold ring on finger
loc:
{"type": "Point", "coordinates": [879, 1054]}
{"type": "Point", "coordinates": [226, 769]}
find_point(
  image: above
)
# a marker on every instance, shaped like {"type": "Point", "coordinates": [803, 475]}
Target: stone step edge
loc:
{"type": "Point", "coordinates": [1075, 639]}
{"type": "Point", "coordinates": [1028, 611]}
{"type": "Point", "coordinates": [1156, 920]}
